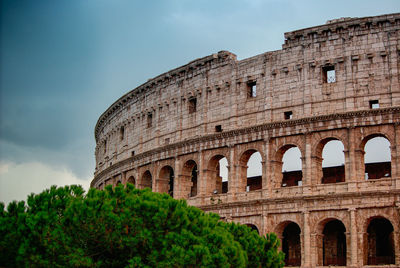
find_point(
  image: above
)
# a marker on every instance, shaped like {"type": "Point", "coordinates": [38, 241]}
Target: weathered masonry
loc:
{"type": "Point", "coordinates": [336, 83]}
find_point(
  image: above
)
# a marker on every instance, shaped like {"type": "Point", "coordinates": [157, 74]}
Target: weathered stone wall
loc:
{"type": "Point", "coordinates": [178, 125]}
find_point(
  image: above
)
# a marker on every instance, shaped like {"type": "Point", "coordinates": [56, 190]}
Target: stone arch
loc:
{"type": "Point", "coordinates": [189, 180]}
{"type": "Point", "coordinates": [249, 183]}
{"type": "Point", "coordinates": [165, 181]}
{"type": "Point", "coordinates": [147, 180]}
{"type": "Point", "coordinates": [329, 173]}
{"type": "Point", "coordinates": [331, 242]}
{"type": "Point", "coordinates": [287, 178]}
{"type": "Point", "coordinates": [376, 169]}
{"type": "Point", "coordinates": [253, 227]}
{"type": "Point", "coordinates": [131, 179]}
{"type": "Point", "coordinates": [379, 246]}
{"type": "Point", "coordinates": [290, 234]}
{"type": "Point", "coordinates": [215, 182]}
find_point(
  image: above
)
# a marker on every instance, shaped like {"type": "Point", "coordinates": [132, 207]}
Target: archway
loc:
{"type": "Point", "coordinates": [131, 180]}
{"type": "Point", "coordinates": [217, 175]}
{"type": "Point", "coordinates": [291, 245]}
{"type": "Point", "coordinates": [251, 170]}
{"type": "Point", "coordinates": [333, 161]}
{"type": "Point", "coordinates": [334, 243]}
{"type": "Point", "coordinates": [252, 227]}
{"type": "Point", "coordinates": [189, 182]}
{"type": "Point", "coordinates": [377, 158]}
{"type": "Point", "coordinates": [166, 180]}
{"type": "Point", "coordinates": [292, 174]}
{"type": "Point", "coordinates": [147, 180]}
{"type": "Point", "coordinates": [380, 242]}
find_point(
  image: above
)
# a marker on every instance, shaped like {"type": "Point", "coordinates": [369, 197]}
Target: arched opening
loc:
{"type": "Point", "coordinates": [217, 175]}
{"type": "Point", "coordinates": [251, 169]}
{"type": "Point", "coordinates": [253, 227]}
{"type": "Point", "coordinates": [131, 180]}
{"type": "Point", "coordinates": [147, 180]}
{"type": "Point", "coordinates": [333, 169]}
{"type": "Point", "coordinates": [380, 242]}
{"type": "Point", "coordinates": [189, 183]}
{"type": "Point", "coordinates": [377, 158]}
{"type": "Point", "coordinates": [292, 174]}
{"type": "Point", "coordinates": [166, 180]}
{"type": "Point", "coordinates": [291, 244]}
{"type": "Point", "coordinates": [334, 244]}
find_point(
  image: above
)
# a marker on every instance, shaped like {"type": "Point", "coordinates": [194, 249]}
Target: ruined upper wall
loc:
{"type": "Point", "coordinates": [341, 28]}
{"type": "Point", "coordinates": [290, 84]}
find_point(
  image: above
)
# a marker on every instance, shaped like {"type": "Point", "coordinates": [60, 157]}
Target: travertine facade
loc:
{"type": "Point", "coordinates": [338, 81]}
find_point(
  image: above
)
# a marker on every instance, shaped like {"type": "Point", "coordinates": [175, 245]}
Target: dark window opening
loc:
{"type": "Point", "coordinates": [328, 74]}
{"type": "Point", "coordinates": [133, 153]}
{"type": "Point", "coordinates": [149, 120]}
{"type": "Point", "coordinates": [374, 104]}
{"type": "Point", "coordinates": [252, 89]}
{"type": "Point", "coordinates": [122, 133]}
{"type": "Point", "coordinates": [105, 146]}
{"type": "Point", "coordinates": [288, 115]}
{"type": "Point", "coordinates": [218, 128]}
{"type": "Point", "coordinates": [192, 105]}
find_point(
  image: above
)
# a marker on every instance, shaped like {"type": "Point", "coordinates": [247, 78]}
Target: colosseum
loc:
{"type": "Point", "coordinates": [248, 139]}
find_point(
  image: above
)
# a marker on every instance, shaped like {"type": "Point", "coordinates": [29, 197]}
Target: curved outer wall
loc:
{"type": "Point", "coordinates": [205, 109]}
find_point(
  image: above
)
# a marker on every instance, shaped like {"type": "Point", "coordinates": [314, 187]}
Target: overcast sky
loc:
{"type": "Point", "coordinates": [63, 63]}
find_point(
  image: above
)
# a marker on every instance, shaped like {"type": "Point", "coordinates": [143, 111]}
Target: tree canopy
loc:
{"type": "Point", "coordinates": [125, 227]}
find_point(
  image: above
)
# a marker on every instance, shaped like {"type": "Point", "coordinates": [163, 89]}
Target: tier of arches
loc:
{"type": "Point", "coordinates": [332, 242]}
{"type": "Point", "coordinates": [246, 169]}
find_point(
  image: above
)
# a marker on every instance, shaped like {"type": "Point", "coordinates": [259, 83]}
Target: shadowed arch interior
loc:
{"type": "Point", "coordinates": [147, 180]}
{"type": "Point", "coordinates": [291, 244]}
{"type": "Point", "coordinates": [334, 243]}
{"type": "Point", "coordinates": [380, 242]}
{"type": "Point", "coordinates": [131, 180]}
{"type": "Point", "coordinates": [166, 180]}
{"type": "Point", "coordinates": [190, 182]}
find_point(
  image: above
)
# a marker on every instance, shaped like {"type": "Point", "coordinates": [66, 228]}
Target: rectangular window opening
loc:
{"type": "Point", "coordinates": [105, 146]}
{"type": "Point", "coordinates": [192, 105]}
{"type": "Point", "coordinates": [329, 74]}
{"type": "Point", "coordinates": [133, 153]}
{"type": "Point", "coordinates": [149, 120]}
{"type": "Point", "coordinates": [374, 104]}
{"type": "Point", "coordinates": [218, 128]}
{"type": "Point", "coordinates": [122, 133]}
{"type": "Point", "coordinates": [288, 115]}
{"type": "Point", "coordinates": [252, 89]}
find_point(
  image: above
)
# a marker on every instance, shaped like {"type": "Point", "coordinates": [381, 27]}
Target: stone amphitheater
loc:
{"type": "Point", "coordinates": [192, 132]}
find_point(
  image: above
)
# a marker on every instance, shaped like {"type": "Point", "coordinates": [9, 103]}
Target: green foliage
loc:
{"type": "Point", "coordinates": [125, 227]}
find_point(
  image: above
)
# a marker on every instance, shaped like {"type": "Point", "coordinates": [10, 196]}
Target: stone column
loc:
{"type": "Point", "coordinates": [307, 165]}
{"type": "Point", "coordinates": [353, 238]}
{"type": "Point", "coordinates": [306, 258]}
{"type": "Point", "coordinates": [396, 155]}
